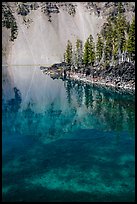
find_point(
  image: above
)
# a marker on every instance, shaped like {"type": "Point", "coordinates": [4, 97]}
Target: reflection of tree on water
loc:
{"type": "Point", "coordinates": [79, 93]}
{"type": "Point", "coordinates": [68, 86]}
{"type": "Point", "coordinates": [131, 121]}
{"type": "Point", "coordinates": [9, 110]}
{"type": "Point", "coordinates": [54, 116]}
{"type": "Point", "coordinates": [50, 125]}
{"type": "Point", "coordinates": [87, 96]}
{"type": "Point", "coordinates": [108, 108]}
{"type": "Point", "coordinates": [28, 117]}
{"type": "Point", "coordinates": [14, 104]}
{"type": "Point", "coordinates": [93, 109]}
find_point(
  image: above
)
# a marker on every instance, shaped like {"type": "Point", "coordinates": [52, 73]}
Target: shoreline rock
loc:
{"type": "Point", "coordinates": [123, 87]}
{"type": "Point", "coordinates": [122, 76]}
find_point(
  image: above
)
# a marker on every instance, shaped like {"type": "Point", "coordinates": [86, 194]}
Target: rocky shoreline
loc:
{"type": "Point", "coordinates": [128, 87]}
{"type": "Point", "coordinates": [121, 77]}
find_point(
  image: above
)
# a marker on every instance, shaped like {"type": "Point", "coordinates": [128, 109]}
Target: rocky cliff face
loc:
{"type": "Point", "coordinates": [37, 32]}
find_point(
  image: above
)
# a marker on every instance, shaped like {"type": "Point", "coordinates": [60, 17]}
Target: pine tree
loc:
{"type": "Point", "coordinates": [120, 7]}
{"type": "Point", "coordinates": [115, 33]}
{"type": "Point", "coordinates": [114, 43]}
{"type": "Point", "coordinates": [108, 50]}
{"type": "Point", "coordinates": [89, 51]}
{"type": "Point", "coordinates": [99, 48]}
{"type": "Point", "coordinates": [121, 27]}
{"type": "Point", "coordinates": [131, 40]}
{"type": "Point", "coordinates": [79, 53]}
{"type": "Point", "coordinates": [74, 60]}
{"type": "Point", "coordinates": [121, 32]}
{"type": "Point", "coordinates": [115, 36]}
{"type": "Point", "coordinates": [108, 34]}
{"type": "Point", "coordinates": [68, 53]}
{"type": "Point", "coordinates": [85, 55]}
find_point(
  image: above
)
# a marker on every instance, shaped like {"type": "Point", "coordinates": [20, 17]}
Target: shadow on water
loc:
{"type": "Point", "coordinates": [55, 195]}
{"type": "Point", "coordinates": [80, 148]}
{"type": "Point", "coordinates": [80, 167]}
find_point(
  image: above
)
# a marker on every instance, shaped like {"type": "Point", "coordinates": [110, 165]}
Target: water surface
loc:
{"type": "Point", "coordinates": [65, 140]}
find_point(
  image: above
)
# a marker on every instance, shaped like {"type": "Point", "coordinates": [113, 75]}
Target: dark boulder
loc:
{"type": "Point", "coordinates": [57, 65]}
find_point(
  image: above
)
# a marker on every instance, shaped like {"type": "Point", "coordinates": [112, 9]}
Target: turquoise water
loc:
{"type": "Point", "coordinates": [67, 141]}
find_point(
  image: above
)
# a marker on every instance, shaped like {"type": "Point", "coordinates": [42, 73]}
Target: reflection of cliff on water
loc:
{"type": "Point", "coordinates": [85, 107]}
{"type": "Point", "coordinates": [7, 83]}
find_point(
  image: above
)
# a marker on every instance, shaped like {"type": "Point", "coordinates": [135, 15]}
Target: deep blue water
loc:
{"type": "Point", "coordinates": [67, 141]}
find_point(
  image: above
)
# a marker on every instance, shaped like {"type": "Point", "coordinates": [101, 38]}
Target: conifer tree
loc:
{"type": "Point", "coordinates": [85, 55]}
{"type": "Point", "coordinates": [120, 7]}
{"type": "Point", "coordinates": [74, 60]}
{"type": "Point", "coordinates": [89, 51]}
{"type": "Point", "coordinates": [79, 53]}
{"type": "Point", "coordinates": [120, 29]}
{"type": "Point", "coordinates": [114, 33]}
{"type": "Point", "coordinates": [114, 43]}
{"type": "Point", "coordinates": [108, 34]}
{"type": "Point", "coordinates": [68, 53]}
{"type": "Point", "coordinates": [131, 40]}
{"type": "Point", "coordinates": [99, 48]}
